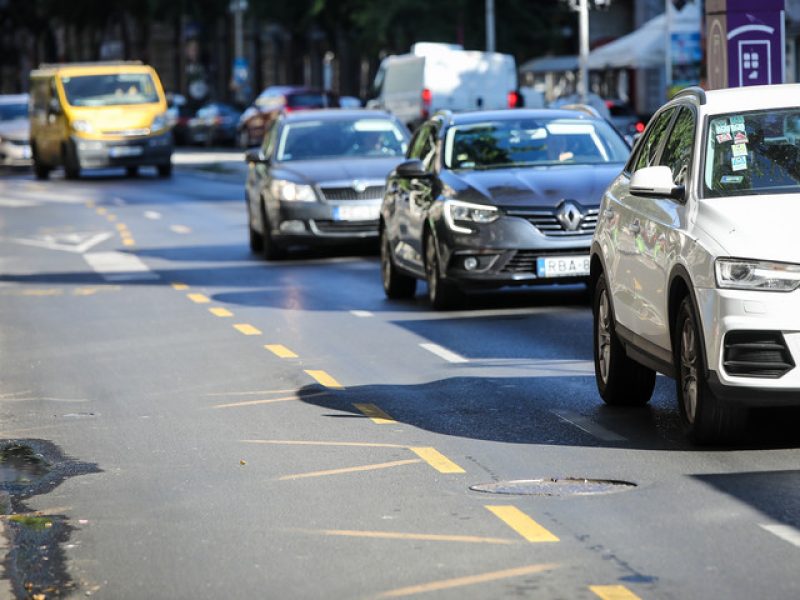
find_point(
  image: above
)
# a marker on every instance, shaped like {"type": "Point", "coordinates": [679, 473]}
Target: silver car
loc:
{"type": "Point", "coordinates": [695, 261]}
{"type": "Point", "coordinates": [15, 146]}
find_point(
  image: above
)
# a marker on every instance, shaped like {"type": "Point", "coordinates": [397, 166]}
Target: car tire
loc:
{"type": "Point", "coordinates": [164, 170]}
{"type": "Point", "coordinates": [270, 248]}
{"type": "Point", "coordinates": [706, 419]}
{"type": "Point", "coordinates": [396, 285]}
{"type": "Point", "coordinates": [256, 239]}
{"type": "Point", "coordinates": [72, 166]}
{"type": "Point", "coordinates": [621, 380]}
{"type": "Point", "coordinates": [442, 294]}
{"type": "Point", "coordinates": [243, 139]}
{"type": "Point", "coordinates": [40, 170]}
{"type": "Point", "coordinates": [132, 171]}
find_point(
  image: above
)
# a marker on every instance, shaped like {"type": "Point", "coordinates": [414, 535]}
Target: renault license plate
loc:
{"type": "Point", "coordinates": [356, 213]}
{"type": "Point", "coordinates": [562, 266]}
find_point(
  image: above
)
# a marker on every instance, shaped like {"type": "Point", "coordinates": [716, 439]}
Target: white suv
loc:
{"type": "Point", "coordinates": [696, 260]}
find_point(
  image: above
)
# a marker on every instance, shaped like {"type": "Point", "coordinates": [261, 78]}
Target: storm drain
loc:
{"type": "Point", "coordinates": [568, 486]}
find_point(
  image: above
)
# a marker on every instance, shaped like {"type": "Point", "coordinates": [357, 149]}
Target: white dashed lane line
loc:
{"type": "Point", "coordinates": [786, 532]}
{"type": "Point", "coordinates": [118, 266]}
{"type": "Point", "coordinates": [361, 313]}
{"type": "Point", "coordinates": [444, 353]}
{"type": "Point", "coordinates": [152, 215]}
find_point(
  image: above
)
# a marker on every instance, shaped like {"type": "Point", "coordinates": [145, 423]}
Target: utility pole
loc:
{"type": "Point", "coordinates": [583, 58]}
{"type": "Point", "coordinates": [490, 39]}
{"type": "Point", "coordinates": [241, 75]}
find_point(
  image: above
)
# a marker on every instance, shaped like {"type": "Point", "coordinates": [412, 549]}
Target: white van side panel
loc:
{"type": "Point", "coordinates": [402, 87]}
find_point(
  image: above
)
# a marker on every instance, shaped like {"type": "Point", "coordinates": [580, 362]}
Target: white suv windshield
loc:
{"type": "Point", "coordinates": [753, 153]}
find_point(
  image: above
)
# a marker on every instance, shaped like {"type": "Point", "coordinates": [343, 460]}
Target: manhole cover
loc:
{"type": "Point", "coordinates": [567, 486]}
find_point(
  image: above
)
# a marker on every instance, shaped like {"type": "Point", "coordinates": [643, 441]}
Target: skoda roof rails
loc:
{"type": "Point", "coordinates": [695, 92]}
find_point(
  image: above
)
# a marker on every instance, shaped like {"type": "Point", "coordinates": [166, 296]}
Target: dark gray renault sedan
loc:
{"type": "Point", "coordinates": [488, 199]}
{"type": "Point", "coordinates": [319, 177]}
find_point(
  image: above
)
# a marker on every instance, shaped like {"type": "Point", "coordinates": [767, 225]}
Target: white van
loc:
{"type": "Point", "coordinates": [444, 77]}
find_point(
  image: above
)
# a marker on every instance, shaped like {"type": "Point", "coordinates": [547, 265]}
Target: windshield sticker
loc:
{"type": "Point", "coordinates": [740, 138]}
{"type": "Point", "coordinates": [724, 137]}
{"type": "Point", "coordinates": [737, 127]}
{"type": "Point", "coordinates": [738, 120]}
{"type": "Point", "coordinates": [739, 149]}
{"type": "Point", "coordinates": [732, 179]}
{"type": "Point", "coordinates": [739, 163]}
{"type": "Point", "coordinates": [722, 128]}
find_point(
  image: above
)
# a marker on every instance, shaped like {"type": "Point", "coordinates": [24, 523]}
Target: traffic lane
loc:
{"type": "Point", "coordinates": [139, 429]}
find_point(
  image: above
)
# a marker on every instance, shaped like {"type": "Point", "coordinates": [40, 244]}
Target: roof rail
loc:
{"type": "Point", "coordinates": [99, 63]}
{"type": "Point", "coordinates": [444, 114]}
{"type": "Point", "coordinates": [694, 91]}
{"type": "Point", "coordinates": [584, 108]}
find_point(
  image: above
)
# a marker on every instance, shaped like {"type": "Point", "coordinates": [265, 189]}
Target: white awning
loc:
{"type": "Point", "coordinates": [645, 47]}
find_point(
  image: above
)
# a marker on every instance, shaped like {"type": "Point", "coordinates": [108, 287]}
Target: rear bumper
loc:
{"type": "Point", "coordinates": [15, 154]}
{"type": "Point", "coordinates": [152, 150]}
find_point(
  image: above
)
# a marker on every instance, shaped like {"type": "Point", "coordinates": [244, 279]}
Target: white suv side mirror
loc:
{"type": "Point", "coordinates": [656, 182]}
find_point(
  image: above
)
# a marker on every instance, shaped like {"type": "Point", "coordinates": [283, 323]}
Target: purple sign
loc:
{"type": "Point", "coordinates": [755, 47]}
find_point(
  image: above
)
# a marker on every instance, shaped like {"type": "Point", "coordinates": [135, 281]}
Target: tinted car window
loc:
{"type": "Point", "coordinates": [10, 112]}
{"type": "Point", "coordinates": [753, 153]}
{"type": "Point", "coordinates": [649, 145]}
{"type": "Point", "coordinates": [532, 142]}
{"type": "Point", "coordinates": [311, 140]}
{"type": "Point", "coordinates": [678, 149]}
{"type": "Point", "coordinates": [309, 100]}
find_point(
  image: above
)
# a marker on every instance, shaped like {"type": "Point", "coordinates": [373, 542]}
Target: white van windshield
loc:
{"type": "Point", "coordinates": [110, 89]}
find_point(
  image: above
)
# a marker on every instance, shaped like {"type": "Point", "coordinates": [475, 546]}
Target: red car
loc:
{"type": "Point", "coordinates": [274, 100]}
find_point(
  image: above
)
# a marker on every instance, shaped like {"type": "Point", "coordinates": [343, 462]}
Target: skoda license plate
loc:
{"type": "Point", "coordinates": [356, 213]}
{"type": "Point", "coordinates": [562, 266]}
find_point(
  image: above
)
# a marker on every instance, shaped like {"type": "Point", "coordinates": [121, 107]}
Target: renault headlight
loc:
{"type": "Point", "coordinates": [459, 215]}
{"type": "Point", "coordinates": [82, 126]}
{"type": "Point", "coordinates": [288, 191]}
{"type": "Point", "coordinates": [160, 122]}
{"type": "Point", "coordinates": [740, 274]}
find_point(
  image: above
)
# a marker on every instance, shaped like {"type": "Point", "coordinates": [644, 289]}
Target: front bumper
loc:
{"type": "Point", "coordinates": [14, 153]}
{"type": "Point", "coordinates": [326, 222]}
{"type": "Point", "coordinates": [512, 251]}
{"type": "Point", "coordinates": [725, 311]}
{"type": "Point", "coordinates": [139, 151]}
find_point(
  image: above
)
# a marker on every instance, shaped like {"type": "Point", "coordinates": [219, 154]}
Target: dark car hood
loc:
{"type": "Point", "coordinates": [18, 129]}
{"type": "Point", "coordinates": [340, 169]}
{"type": "Point", "coordinates": [535, 186]}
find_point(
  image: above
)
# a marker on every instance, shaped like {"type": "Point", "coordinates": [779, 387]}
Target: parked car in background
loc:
{"type": "Point", "coordinates": [15, 147]}
{"type": "Point", "coordinates": [256, 118]}
{"type": "Point", "coordinates": [319, 177]}
{"type": "Point", "coordinates": [93, 115]}
{"type": "Point", "coordinates": [497, 198]}
{"type": "Point", "coordinates": [624, 118]}
{"type": "Point", "coordinates": [178, 114]}
{"type": "Point", "coordinates": [214, 123]}
{"type": "Point", "coordinates": [435, 77]}
{"type": "Point", "coordinates": [695, 262]}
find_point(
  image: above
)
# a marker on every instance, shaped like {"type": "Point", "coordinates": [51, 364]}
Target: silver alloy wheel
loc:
{"type": "Point", "coordinates": [689, 369]}
{"type": "Point", "coordinates": [604, 336]}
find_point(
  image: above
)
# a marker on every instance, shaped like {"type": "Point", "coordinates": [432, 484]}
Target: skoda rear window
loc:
{"type": "Point", "coordinates": [752, 153]}
{"type": "Point", "coordinates": [110, 89]}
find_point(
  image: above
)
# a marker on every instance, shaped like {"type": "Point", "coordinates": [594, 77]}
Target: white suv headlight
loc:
{"type": "Point", "coordinates": [289, 191]}
{"type": "Point", "coordinates": [457, 214]}
{"type": "Point", "coordinates": [740, 274]}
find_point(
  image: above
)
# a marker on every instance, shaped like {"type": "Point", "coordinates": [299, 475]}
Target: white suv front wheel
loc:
{"type": "Point", "coordinates": [621, 380]}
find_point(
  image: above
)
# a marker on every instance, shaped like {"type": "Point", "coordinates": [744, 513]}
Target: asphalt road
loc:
{"type": "Point", "coordinates": [193, 422]}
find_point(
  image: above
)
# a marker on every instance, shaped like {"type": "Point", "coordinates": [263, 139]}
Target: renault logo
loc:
{"type": "Point", "coordinates": [570, 216]}
{"type": "Point", "coordinates": [359, 186]}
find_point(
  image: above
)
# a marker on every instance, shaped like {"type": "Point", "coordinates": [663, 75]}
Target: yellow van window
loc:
{"type": "Point", "coordinates": [110, 90]}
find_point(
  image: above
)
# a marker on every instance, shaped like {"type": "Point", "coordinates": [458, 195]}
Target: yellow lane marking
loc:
{"type": "Point", "coordinates": [375, 414]}
{"type": "Point", "coordinates": [246, 329]}
{"type": "Point", "coordinates": [522, 523]}
{"type": "Point", "coordinates": [613, 592]}
{"type": "Point", "coordinates": [358, 469]}
{"type": "Point", "coordinates": [128, 242]}
{"type": "Point", "coordinates": [218, 311]}
{"type": "Point", "coordinates": [111, 218]}
{"type": "Point", "coordinates": [446, 584]}
{"type": "Point", "coordinates": [122, 227]}
{"type": "Point", "coordinates": [179, 286]}
{"type": "Point", "coordinates": [90, 204]}
{"type": "Point", "coordinates": [253, 393]}
{"type": "Point", "coordinates": [199, 298]}
{"type": "Point", "coordinates": [436, 459]}
{"type": "Point", "coordinates": [324, 379]}
{"type": "Point", "coordinates": [280, 351]}
{"type": "Point", "coordinates": [268, 400]}
{"type": "Point", "coordinates": [423, 537]}
{"type": "Point", "coordinates": [43, 292]}
{"type": "Point", "coordinates": [307, 443]}
{"type": "Point", "coordinates": [101, 211]}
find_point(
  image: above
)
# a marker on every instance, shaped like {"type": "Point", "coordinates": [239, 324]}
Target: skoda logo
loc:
{"type": "Point", "coordinates": [359, 186]}
{"type": "Point", "coordinates": [570, 216]}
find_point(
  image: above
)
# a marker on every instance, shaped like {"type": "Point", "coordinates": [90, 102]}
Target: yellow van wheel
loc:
{"type": "Point", "coordinates": [72, 166]}
{"type": "Point", "coordinates": [40, 170]}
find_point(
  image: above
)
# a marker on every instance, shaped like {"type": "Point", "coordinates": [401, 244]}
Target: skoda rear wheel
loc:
{"type": "Point", "coordinates": [396, 285]}
{"type": "Point", "coordinates": [621, 381]}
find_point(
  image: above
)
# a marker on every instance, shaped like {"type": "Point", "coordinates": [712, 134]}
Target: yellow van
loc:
{"type": "Point", "coordinates": [90, 115]}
